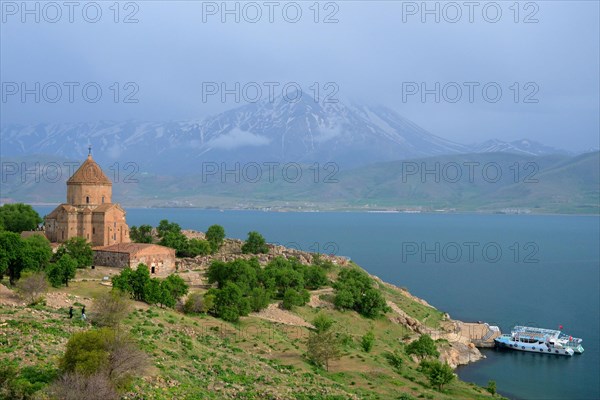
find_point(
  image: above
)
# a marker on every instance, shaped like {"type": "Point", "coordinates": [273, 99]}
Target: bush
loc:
{"type": "Point", "coordinates": [87, 352]}
{"type": "Point", "coordinates": [491, 387]}
{"type": "Point", "coordinates": [32, 287]}
{"type": "Point", "coordinates": [23, 384]}
{"type": "Point", "coordinates": [75, 386]}
{"type": "Point", "coordinates": [322, 322]}
{"type": "Point", "coordinates": [395, 360]}
{"type": "Point", "coordinates": [111, 308]}
{"type": "Point", "coordinates": [194, 304]}
{"type": "Point", "coordinates": [367, 341]}
{"type": "Point", "coordinates": [103, 352]}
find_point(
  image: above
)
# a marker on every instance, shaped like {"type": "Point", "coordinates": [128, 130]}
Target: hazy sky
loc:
{"type": "Point", "coordinates": [546, 63]}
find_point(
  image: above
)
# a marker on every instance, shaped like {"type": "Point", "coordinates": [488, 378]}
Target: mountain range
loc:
{"type": "Point", "coordinates": [306, 131]}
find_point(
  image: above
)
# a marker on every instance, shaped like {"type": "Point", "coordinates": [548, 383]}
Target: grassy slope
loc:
{"type": "Point", "coordinates": [564, 185]}
{"type": "Point", "coordinates": [197, 357]}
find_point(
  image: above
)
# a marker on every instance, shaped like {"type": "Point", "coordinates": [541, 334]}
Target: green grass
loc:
{"type": "Point", "coordinates": [201, 357]}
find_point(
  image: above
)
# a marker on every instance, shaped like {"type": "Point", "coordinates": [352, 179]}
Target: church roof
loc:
{"type": "Point", "coordinates": [60, 207]}
{"type": "Point", "coordinates": [89, 173]}
{"type": "Point", "coordinates": [136, 249]}
{"type": "Point", "coordinates": [105, 207]}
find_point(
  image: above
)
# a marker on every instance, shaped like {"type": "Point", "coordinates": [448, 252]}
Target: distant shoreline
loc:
{"type": "Point", "coordinates": [341, 210]}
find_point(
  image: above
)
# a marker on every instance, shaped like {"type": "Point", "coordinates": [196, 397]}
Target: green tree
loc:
{"type": "Point", "coordinates": [372, 303]}
{"type": "Point", "coordinates": [438, 374]}
{"type": "Point", "coordinates": [11, 252]}
{"type": "Point", "coordinates": [153, 292]}
{"type": "Point", "coordinates": [62, 271]}
{"type": "Point", "coordinates": [37, 253]}
{"type": "Point", "coordinates": [255, 244]}
{"type": "Point", "coordinates": [344, 299]}
{"type": "Point", "coordinates": [123, 281]}
{"type": "Point", "coordinates": [292, 298]}
{"type": "Point", "coordinates": [19, 217]}
{"type": "Point", "coordinates": [176, 286]}
{"type": "Point", "coordinates": [423, 347]}
{"type": "Point", "coordinates": [215, 235]}
{"type": "Point", "coordinates": [322, 347]}
{"type": "Point", "coordinates": [177, 241]}
{"type": "Point", "coordinates": [367, 341]}
{"type": "Point", "coordinates": [230, 303]}
{"type": "Point", "coordinates": [79, 249]}
{"type": "Point", "coordinates": [354, 290]}
{"type": "Point", "coordinates": [165, 226]}
{"type": "Point", "coordinates": [315, 277]}
{"type": "Point", "coordinates": [197, 247]}
{"type": "Point", "coordinates": [259, 299]}
{"type": "Point", "coordinates": [139, 278]}
{"type": "Point", "coordinates": [133, 281]}
{"type": "Point", "coordinates": [166, 298]}
{"type": "Point", "coordinates": [244, 273]}
{"type": "Point", "coordinates": [143, 234]}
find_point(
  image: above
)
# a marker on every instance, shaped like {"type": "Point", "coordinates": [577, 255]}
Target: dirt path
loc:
{"type": "Point", "coordinates": [275, 314]}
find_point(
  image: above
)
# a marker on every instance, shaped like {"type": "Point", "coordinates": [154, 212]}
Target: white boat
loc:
{"type": "Point", "coordinates": [538, 340]}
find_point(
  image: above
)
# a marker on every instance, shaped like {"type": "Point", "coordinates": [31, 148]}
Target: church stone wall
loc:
{"type": "Point", "coordinates": [111, 259]}
{"type": "Point", "coordinates": [88, 195]}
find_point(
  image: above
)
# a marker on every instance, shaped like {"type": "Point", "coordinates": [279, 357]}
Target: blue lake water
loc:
{"type": "Point", "coordinates": [503, 269]}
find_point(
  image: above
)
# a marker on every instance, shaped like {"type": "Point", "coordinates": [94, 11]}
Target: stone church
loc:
{"type": "Point", "coordinates": [89, 212]}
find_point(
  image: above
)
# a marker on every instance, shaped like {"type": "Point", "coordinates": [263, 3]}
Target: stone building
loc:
{"type": "Point", "coordinates": [159, 259]}
{"type": "Point", "coordinates": [89, 212]}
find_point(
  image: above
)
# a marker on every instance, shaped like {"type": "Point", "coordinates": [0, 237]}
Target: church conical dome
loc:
{"type": "Point", "coordinates": [89, 173]}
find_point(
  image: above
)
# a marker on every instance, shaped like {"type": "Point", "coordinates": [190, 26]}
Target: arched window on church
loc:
{"type": "Point", "coordinates": [102, 199]}
{"type": "Point", "coordinates": [87, 199]}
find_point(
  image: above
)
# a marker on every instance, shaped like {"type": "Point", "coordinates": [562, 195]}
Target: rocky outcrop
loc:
{"type": "Point", "coordinates": [458, 353]}
{"type": "Point", "coordinates": [232, 250]}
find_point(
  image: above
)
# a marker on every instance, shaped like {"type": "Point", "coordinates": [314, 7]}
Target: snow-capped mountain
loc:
{"type": "Point", "coordinates": [281, 131]}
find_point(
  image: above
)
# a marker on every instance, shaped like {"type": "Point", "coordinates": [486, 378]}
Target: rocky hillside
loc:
{"type": "Point", "coordinates": [262, 356]}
